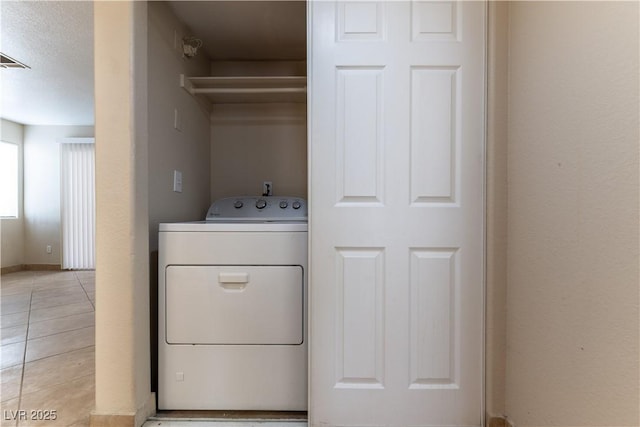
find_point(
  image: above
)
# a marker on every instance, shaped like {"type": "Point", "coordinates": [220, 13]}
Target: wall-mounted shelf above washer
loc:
{"type": "Point", "coordinates": [235, 90]}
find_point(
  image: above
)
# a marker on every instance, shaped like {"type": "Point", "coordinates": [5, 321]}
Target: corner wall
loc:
{"type": "Point", "coordinates": [573, 223]}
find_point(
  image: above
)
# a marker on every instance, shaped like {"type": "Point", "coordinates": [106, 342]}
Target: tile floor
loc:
{"type": "Point", "coordinates": [48, 347]}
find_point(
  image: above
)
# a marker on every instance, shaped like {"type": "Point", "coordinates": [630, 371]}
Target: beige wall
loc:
{"type": "Point", "coordinates": [170, 149]}
{"type": "Point", "coordinates": [123, 378]}
{"type": "Point", "coordinates": [572, 297]}
{"type": "Point", "coordinates": [496, 214]}
{"type": "Point", "coordinates": [42, 190]}
{"type": "Point", "coordinates": [255, 143]}
{"type": "Point", "coordinates": [12, 229]}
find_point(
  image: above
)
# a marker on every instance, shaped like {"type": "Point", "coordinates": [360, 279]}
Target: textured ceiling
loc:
{"type": "Point", "coordinates": [55, 39]}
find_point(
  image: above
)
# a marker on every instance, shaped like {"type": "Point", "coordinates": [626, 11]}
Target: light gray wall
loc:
{"type": "Point", "coordinates": [12, 229]}
{"type": "Point", "coordinates": [573, 223]}
{"type": "Point", "coordinates": [255, 143]}
{"type": "Point", "coordinates": [170, 149]}
{"type": "Point", "coordinates": [42, 190]}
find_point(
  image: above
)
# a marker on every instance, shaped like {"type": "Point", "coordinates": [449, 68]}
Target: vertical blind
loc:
{"type": "Point", "coordinates": [78, 206]}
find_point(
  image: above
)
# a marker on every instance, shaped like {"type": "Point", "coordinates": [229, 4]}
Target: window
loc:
{"type": "Point", "coordinates": [8, 180]}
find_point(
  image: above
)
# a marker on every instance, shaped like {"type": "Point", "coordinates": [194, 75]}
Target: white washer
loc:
{"type": "Point", "coordinates": [232, 307]}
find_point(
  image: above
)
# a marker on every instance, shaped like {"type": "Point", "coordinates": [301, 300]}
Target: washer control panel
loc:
{"type": "Point", "coordinates": [265, 209]}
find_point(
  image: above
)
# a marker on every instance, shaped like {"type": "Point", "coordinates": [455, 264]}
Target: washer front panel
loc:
{"type": "Point", "coordinates": [205, 360]}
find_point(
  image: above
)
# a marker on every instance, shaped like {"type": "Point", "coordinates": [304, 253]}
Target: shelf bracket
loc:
{"type": "Point", "coordinates": [186, 84]}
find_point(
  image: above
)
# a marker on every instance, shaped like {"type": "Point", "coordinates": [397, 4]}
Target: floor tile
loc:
{"type": "Point", "coordinates": [10, 380]}
{"type": "Point", "coordinates": [86, 275]}
{"type": "Point", "coordinates": [54, 276]}
{"type": "Point", "coordinates": [15, 289]}
{"type": "Point", "coordinates": [56, 285]}
{"type": "Point", "coordinates": [17, 276]}
{"type": "Point", "coordinates": [12, 279]}
{"type": "Point", "coordinates": [15, 303]}
{"type": "Point", "coordinates": [59, 369]}
{"type": "Point", "coordinates": [51, 345]}
{"type": "Point", "coordinates": [15, 299]}
{"type": "Point", "coordinates": [61, 324]}
{"type": "Point", "coordinates": [60, 311]}
{"type": "Point", "coordinates": [54, 301]}
{"type": "Point", "coordinates": [10, 409]}
{"type": "Point", "coordinates": [42, 294]}
{"type": "Point", "coordinates": [72, 401]}
{"type": "Point", "coordinates": [89, 286]}
{"type": "Point", "coordinates": [11, 320]}
{"type": "Point", "coordinates": [13, 334]}
{"type": "Point", "coordinates": [12, 354]}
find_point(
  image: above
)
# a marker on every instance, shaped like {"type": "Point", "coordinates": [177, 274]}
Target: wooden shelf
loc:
{"type": "Point", "coordinates": [234, 90]}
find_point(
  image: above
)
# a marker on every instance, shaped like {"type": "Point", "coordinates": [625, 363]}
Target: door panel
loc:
{"type": "Point", "coordinates": [396, 119]}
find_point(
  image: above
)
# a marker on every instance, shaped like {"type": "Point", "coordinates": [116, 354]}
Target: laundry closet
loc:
{"type": "Point", "coordinates": [231, 297]}
{"type": "Point", "coordinates": [381, 118]}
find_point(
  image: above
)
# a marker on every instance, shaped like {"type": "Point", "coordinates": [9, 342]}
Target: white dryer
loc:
{"type": "Point", "coordinates": [233, 307]}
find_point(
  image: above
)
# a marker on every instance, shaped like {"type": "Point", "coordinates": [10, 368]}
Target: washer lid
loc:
{"type": "Point", "coordinates": [258, 209]}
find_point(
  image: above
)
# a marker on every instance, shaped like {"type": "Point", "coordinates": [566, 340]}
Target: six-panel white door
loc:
{"type": "Point", "coordinates": [396, 118]}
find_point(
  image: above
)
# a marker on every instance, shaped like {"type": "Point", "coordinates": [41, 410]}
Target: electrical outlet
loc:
{"type": "Point", "coordinates": [48, 249]}
{"type": "Point", "coordinates": [267, 188]}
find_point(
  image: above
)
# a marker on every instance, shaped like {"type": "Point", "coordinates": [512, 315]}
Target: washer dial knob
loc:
{"type": "Point", "coordinates": [284, 204]}
{"type": "Point", "coordinates": [261, 204]}
{"type": "Point", "coordinates": [296, 205]}
{"type": "Point", "coordinates": [238, 204]}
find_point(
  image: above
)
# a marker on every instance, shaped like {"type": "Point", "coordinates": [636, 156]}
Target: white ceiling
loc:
{"type": "Point", "coordinates": [55, 39]}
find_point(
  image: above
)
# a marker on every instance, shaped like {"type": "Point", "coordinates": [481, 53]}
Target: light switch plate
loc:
{"type": "Point", "coordinates": [177, 181]}
{"type": "Point", "coordinates": [177, 120]}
